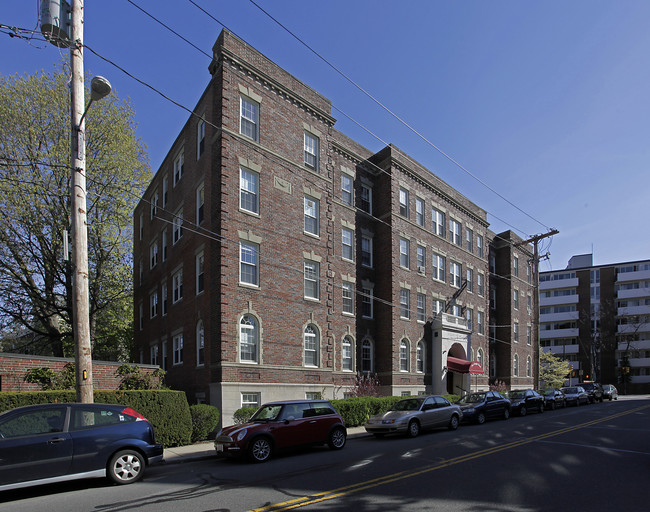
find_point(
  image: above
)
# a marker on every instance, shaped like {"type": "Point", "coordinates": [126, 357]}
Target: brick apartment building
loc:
{"type": "Point", "coordinates": [598, 318]}
{"type": "Point", "coordinates": [277, 258]}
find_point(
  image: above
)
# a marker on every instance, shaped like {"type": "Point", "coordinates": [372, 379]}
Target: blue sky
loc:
{"type": "Point", "coordinates": [545, 102]}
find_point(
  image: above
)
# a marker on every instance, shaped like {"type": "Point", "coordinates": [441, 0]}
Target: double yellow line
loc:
{"type": "Point", "coordinates": [394, 477]}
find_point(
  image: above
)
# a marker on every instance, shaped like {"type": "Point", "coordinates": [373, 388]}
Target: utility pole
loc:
{"type": "Point", "coordinates": [535, 241]}
{"type": "Point", "coordinates": [80, 301]}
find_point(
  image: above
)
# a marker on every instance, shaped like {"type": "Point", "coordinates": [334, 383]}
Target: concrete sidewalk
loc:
{"type": "Point", "coordinates": [205, 449]}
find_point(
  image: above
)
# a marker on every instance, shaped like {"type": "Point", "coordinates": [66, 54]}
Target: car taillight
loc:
{"type": "Point", "coordinates": [134, 413]}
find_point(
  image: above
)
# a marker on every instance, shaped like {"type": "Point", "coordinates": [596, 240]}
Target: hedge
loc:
{"type": "Point", "coordinates": [167, 411]}
{"type": "Point", "coordinates": [204, 420]}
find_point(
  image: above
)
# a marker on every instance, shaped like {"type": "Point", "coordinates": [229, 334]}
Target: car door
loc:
{"type": "Point", "coordinates": [428, 413]}
{"type": "Point", "coordinates": [294, 426]}
{"type": "Point", "coordinates": [33, 445]}
{"type": "Point", "coordinates": [443, 411]}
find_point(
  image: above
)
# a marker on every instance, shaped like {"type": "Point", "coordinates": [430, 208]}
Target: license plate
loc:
{"type": "Point", "coordinates": [219, 447]}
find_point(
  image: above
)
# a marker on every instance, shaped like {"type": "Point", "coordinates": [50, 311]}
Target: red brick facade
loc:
{"type": "Point", "coordinates": [265, 336]}
{"type": "Point", "coordinates": [13, 368]}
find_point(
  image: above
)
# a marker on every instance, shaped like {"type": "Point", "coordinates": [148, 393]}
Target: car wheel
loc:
{"type": "Point", "coordinates": [453, 422]}
{"type": "Point", "coordinates": [413, 428]}
{"type": "Point", "coordinates": [126, 467]}
{"type": "Point", "coordinates": [523, 411]}
{"type": "Point", "coordinates": [260, 449]}
{"type": "Point", "coordinates": [480, 419]}
{"type": "Point", "coordinates": [506, 414]}
{"type": "Point", "coordinates": [336, 439]}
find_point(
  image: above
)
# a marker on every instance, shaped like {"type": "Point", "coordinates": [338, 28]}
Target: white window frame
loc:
{"type": "Point", "coordinates": [347, 189]}
{"type": "Point", "coordinates": [367, 301]}
{"type": "Point", "coordinates": [311, 346]}
{"type": "Point", "coordinates": [421, 258]}
{"type": "Point", "coordinates": [347, 291]}
{"type": "Point", "coordinates": [177, 286]}
{"type": "Point", "coordinates": [249, 189]}
{"type": "Point", "coordinates": [177, 226]}
{"type": "Point", "coordinates": [421, 307]}
{"type": "Point", "coordinates": [312, 216]}
{"type": "Point", "coordinates": [312, 151]}
{"type": "Point", "coordinates": [455, 232]}
{"type": "Point", "coordinates": [469, 239]}
{"type": "Point", "coordinates": [365, 200]}
{"type": "Point", "coordinates": [404, 209]}
{"type": "Point", "coordinates": [179, 167]}
{"type": "Point", "coordinates": [405, 304]}
{"type": "Point", "coordinates": [404, 353]}
{"type": "Point", "coordinates": [200, 138]}
{"type": "Point", "coordinates": [420, 212]}
{"type": "Point", "coordinates": [455, 274]}
{"type": "Point", "coordinates": [200, 343]}
{"type": "Point", "coordinates": [200, 203]}
{"type": "Point", "coordinates": [438, 222]}
{"type": "Point", "coordinates": [153, 305]}
{"type": "Point", "coordinates": [177, 349]}
{"type": "Point", "coordinates": [249, 263]}
{"type": "Point", "coordinates": [347, 354]}
{"type": "Point", "coordinates": [347, 244]}
{"type": "Point", "coordinates": [404, 253]}
{"type": "Point", "coordinates": [200, 273]}
{"type": "Point", "coordinates": [249, 339]}
{"type": "Point", "coordinates": [163, 299]}
{"type": "Point", "coordinates": [367, 356]}
{"type": "Point", "coordinates": [366, 241]}
{"type": "Point", "coordinates": [153, 254]}
{"type": "Point", "coordinates": [439, 267]}
{"type": "Point", "coordinates": [420, 357]}
{"type": "Point", "coordinates": [249, 118]}
{"type": "Point", "coordinates": [312, 279]}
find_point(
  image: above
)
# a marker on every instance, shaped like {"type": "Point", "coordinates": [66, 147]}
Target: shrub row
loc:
{"type": "Point", "coordinates": [168, 411]}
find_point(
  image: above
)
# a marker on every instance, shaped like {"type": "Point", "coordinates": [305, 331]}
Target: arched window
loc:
{"type": "Point", "coordinates": [404, 356]}
{"type": "Point", "coordinates": [367, 358]}
{"type": "Point", "coordinates": [312, 342]}
{"type": "Point", "coordinates": [249, 339]}
{"type": "Point", "coordinates": [419, 356]}
{"type": "Point", "coordinates": [200, 344]}
{"type": "Point", "coordinates": [347, 354]}
{"type": "Point", "coordinates": [479, 357]}
{"type": "Point", "coordinates": [529, 367]}
{"type": "Point", "coordinates": [515, 366]}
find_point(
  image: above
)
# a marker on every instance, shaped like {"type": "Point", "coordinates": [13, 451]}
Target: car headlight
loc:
{"type": "Point", "coordinates": [242, 434]}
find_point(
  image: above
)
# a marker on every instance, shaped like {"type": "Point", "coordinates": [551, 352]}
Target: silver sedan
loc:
{"type": "Point", "coordinates": [411, 415]}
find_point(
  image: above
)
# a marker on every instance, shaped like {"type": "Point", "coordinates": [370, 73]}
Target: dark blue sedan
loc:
{"type": "Point", "coordinates": [48, 443]}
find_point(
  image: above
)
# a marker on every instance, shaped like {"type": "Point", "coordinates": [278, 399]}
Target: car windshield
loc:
{"type": "Point", "coordinates": [412, 404]}
{"type": "Point", "coordinates": [474, 398]}
{"type": "Point", "coordinates": [267, 413]}
{"type": "Point", "coordinates": [549, 392]}
{"type": "Point", "coordinates": [516, 394]}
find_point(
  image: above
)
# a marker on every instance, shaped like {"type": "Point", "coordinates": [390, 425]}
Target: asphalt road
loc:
{"type": "Point", "coordinates": [592, 458]}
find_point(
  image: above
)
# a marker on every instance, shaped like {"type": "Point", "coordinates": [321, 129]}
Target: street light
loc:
{"type": "Point", "coordinates": [100, 87]}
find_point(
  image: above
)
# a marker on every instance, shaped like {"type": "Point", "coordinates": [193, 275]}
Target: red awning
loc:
{"type": "Point", "coordinates": [461, 366]}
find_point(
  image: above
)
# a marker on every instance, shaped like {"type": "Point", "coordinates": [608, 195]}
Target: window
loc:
{"type": "Point", "coordinates": [177, 226]}
{"type": "Point", "coordinates": [200, 344]}
{"type": "Point", "coordinates": [153, 255]}
{"type": "Point", "coordinates": [179, 165]}
{"type": "Point", "coordinates": [405, 303]}
{"type": "Point", "coordinates": [141, 316]}
{"type": "Point", "coordinates": [140, 271]}
{"type": "Point", "coordinates": [248, 263]}
{"type": "Point", "coordinates": [249, 182]}
{"type": "Point", "coordinates": [366, 302]}
{"type": "Point", "coordinates": [404, 202]}
{"type": "Point", "coordinates": [515, 299]}
{"type": "Point", "coordinates": [164, 245]}
{"type": "Point", "coordinates": [438, 267]}
{"type": "Point", "coordinates": [366, 251]}
{"type": "Point", "coordinates": [346, 189]}
{"type": "Point", "coordinates": [250, 119]}
{"type": "Point", "coordinates": [457, 310]}
{"type": "Point", "coordinates": [529, 367]}
{"type": "Point", "coordinates": [515, 266]}
{"type": "Point", "coordinates": [311, 151]}
{"type": "Point", "coordinates": [438, 222]}
{"type": "Point", "coordinates": [529, 302]}
{"type": "Point", "coordinates": [479, 357]}
{"type": "Point", "coordinates": [479, 246]}
{"type": "Point", "coordinates": [312, 207]}
{"type": "Point", "coordinates": [421, 258]}
{"type": "Point", "coordinates": [365, 202]}
{"type": "Point", "coordinates": [200, 272]}
{"type": "Point", "coordinates": [455, 274]}
{"type": "Point", "coordinates": [164, 354]}
{"type": "Point", "coordinates": [153, 305]}
{"type": "Point", "coordinates": [470, 280]}
{"type": "Point", "coordinates": [251, 400]}
{"type": "Point", "coordinates": [480, 322]}
{"type": "Point", "coordinates": [404, 252]}
{"type": "Point", "coordinates": [480, 284]}
{"type": "Point", "coordinates": [421, 307]}
{"type": "Point", "coordinates": [165, 191]}
{"type": "Point", "coordinates": [200, 138]}
{"type": "Point", "coordinates": [366, 356]}
{"type": "Point", "coordinates": [346, 354]}
{"type": "Point", "coordinates": [419, 357]}
{"type": "Point", "coordinates": [455, 232]}
{"type": "Point", "coordinates": [141, 226]}
{"type": "Point", "coordinates": [469, 239]}
{"type": "Point", "coordinates": [312, 342]}
{"type": "Point", "coordinates": [515, 365]}
{"type": "Point", "coordinates": [347, 244]}
{"type": "Point", "coordinates": [177, 286]}
{"type": "Point", "coordinates": [312, 279]}
{"type": "Point", "coordinates": [154, 205]}
{"type": "Point", "coordinates": [529, 335]}
{"type": "Point", "coordinates": [200, 203]}
{"type": "Point", "coordinates": [529, 274]}
{"type": "Point", "coordinates": [177, 348]}
{"type": "Point", "coordinates": [248, 339]}
{"type": "Point", "coordinates": [515, 329]}
{"type": "Point", "coordinates": [348, 297]}
{"type": "Point", "coordinates": [153, 354]}
{"type": "Point", "coordinates": [469, 316]}
{"type": "Point", "coordinates": [438, 306]}
{"type": "Point", "coordinates": [404, 356]}
{"type": "Point", "coordinates": [163, 298]}
{"type": "Point", "coordinates": [419, 211]}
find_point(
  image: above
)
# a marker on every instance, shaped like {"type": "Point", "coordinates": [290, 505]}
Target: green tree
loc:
{"type": "Point", "coordinates": [35, 276]}
{"type": "Point", "coordinates": [553, 370]}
